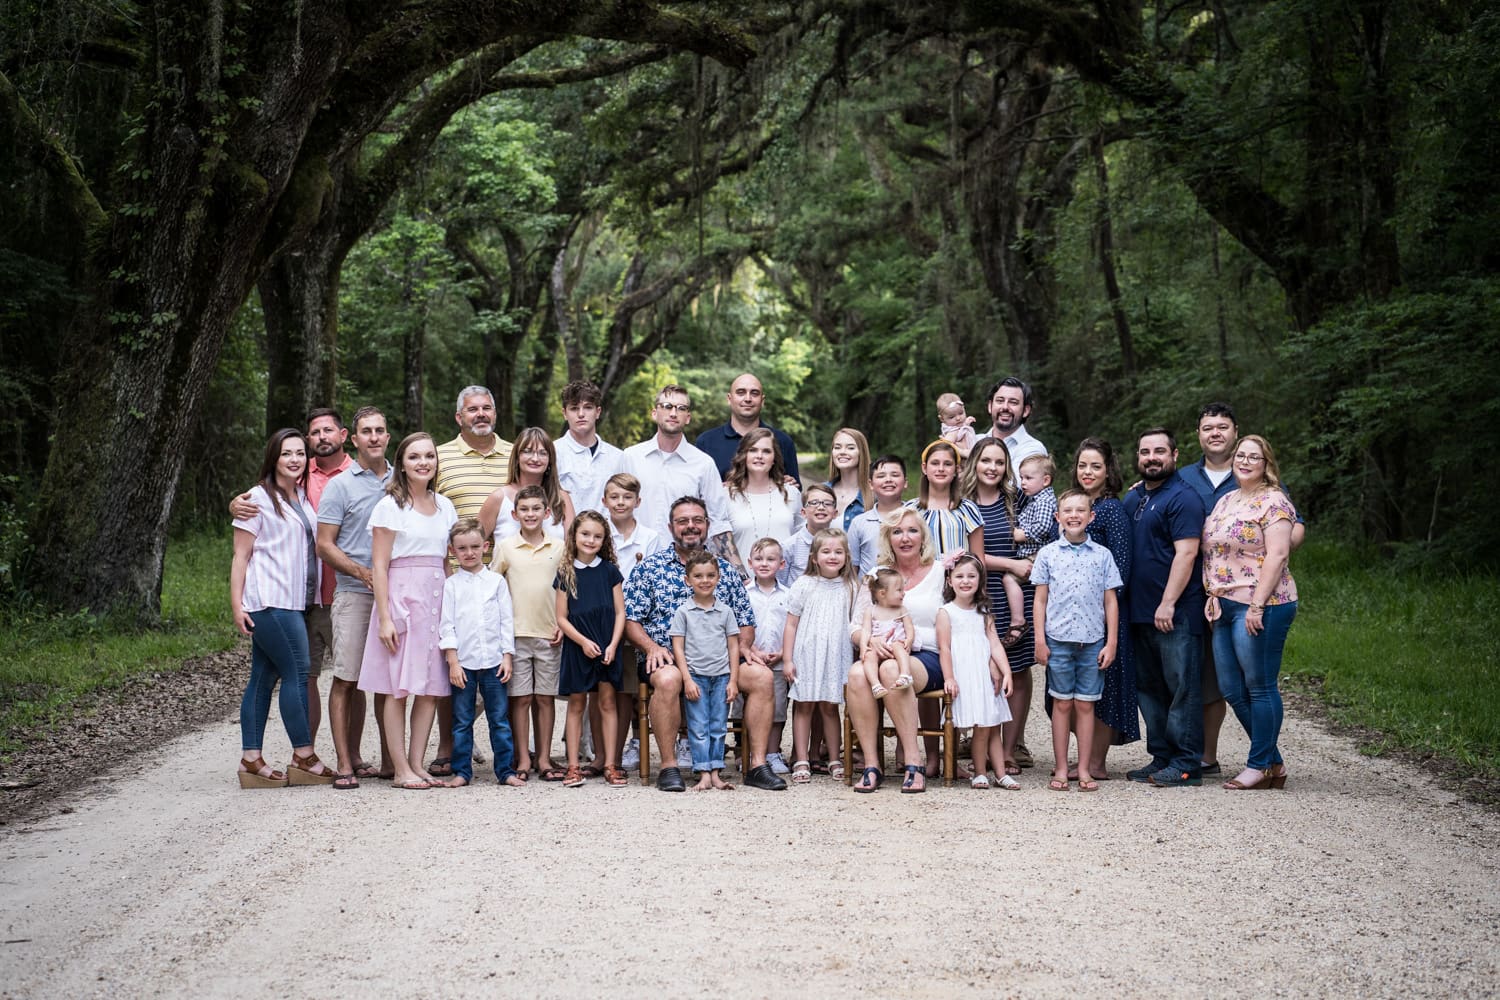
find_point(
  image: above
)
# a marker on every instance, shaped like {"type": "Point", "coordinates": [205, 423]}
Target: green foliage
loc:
{"type": "Point", "coordinates": [49, 662]}
{"type": "Point", "coordinates": [1411, 656]}
{"type": "Point", "coordinates": [1403, 387]}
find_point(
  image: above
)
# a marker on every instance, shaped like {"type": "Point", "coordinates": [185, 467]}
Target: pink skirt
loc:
{"type": "Point", "coordinates": [416, 602]}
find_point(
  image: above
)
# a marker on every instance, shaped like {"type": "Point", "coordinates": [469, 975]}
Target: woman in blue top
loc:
{"type": "Point", "coordinates": [849, 473]}
{"type": "Point", "coordinates": [1116, 716]}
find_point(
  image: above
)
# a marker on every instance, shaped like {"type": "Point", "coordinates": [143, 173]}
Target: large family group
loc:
{"type": "Point", "coordinates": [711, 579]}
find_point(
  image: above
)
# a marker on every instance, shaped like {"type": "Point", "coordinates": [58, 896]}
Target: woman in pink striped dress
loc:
{"type": "Point", "coordinates": [409, 538]}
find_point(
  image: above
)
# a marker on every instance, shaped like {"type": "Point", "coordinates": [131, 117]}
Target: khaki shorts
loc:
{"type": "Point", "coordinates": [778, 698]}
{"type": "Point", "coordinates": [319, 637]}
{"type": "Point", "coordinates": [351, 625]}
{"type": "Point", "coordinates": [538, 668]}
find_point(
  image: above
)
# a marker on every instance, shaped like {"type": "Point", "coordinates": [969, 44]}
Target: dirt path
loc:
{"type": "Point", "coordinates": [1360, 879]}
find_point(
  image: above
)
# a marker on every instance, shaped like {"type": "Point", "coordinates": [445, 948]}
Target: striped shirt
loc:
{"type": "Point", "coordinates": [467, 476]}
{"type": "Point", "coordinates": [277, 574]}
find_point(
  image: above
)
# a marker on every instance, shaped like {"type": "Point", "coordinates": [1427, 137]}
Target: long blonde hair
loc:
{"type": "Point", "coordinates": [968, 475]}
{"type": "Point", "coordinates": [1273, 471]}
{"type": "Point", "coordinates": [863, 469]}
{"type": "Point", "coordinates": [849, 574]}
{"type": "Point", "coordinates": [565, 570]}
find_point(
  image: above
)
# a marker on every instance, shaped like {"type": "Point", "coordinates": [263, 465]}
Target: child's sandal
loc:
{"type": "Point", "coordinates": [878, 690]}
{"type": "Point", "coordinates": [801, 772]}
{"type": "Point", "coordinates": [1013, 636]}
{"type": "Point", "coordinates": [615, 777]}
{"type": "Point", "coordinates": [836, 770]}
{"type": "Point", "coordinates": [573, 778]}
{"type": "Point", "coordinates": [902, 682]}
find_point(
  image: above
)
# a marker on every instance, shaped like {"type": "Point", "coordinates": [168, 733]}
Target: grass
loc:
{"type": "Point", "coordinates": [48, 663]}
{"type": "Point", "coordinates": [1412, 658]}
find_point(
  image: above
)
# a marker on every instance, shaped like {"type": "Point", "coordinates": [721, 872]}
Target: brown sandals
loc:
{"type": "Point", "coordinates": [300, 771]}
{"type": "Point", "coordinates": [250, 776]}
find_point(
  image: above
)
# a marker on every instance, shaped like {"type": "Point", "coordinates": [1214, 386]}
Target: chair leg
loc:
{"type": "Point", "coordinates": [643, 728]}
{"type": "Point", "coordinates": [848, 749]}
{"type": "Point", "coordinates": [950, 744]}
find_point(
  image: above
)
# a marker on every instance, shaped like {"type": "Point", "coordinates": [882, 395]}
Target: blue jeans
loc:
{"type": "Point", "coordinates": [1073, 670]}
{"type": "Point", "coordinates": [707, 722]}
{"type": "Point", "coordinates": [1248, 666]}
{"type": "Point", "coordinates": [278, 652]}
{"type": "Point", "coordinates": [1169, 685]}
{"type": "Point", "coordinates": [496, 710]}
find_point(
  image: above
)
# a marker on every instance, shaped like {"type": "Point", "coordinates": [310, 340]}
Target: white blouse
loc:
{"type": "Point", "coordinates": [416, 534]}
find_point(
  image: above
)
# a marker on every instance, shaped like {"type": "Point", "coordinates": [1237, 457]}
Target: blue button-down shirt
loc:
{"type": "Point", "coordinates": [1076, 577]}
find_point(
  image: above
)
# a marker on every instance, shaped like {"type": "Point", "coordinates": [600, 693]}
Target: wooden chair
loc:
{"type": "Point", "coordinates": [643, 723]}
{"type": "Point", "coordinates": [944, 732]}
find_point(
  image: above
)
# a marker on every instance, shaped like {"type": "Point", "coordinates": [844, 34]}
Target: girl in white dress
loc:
{"type": "Point", "coordinates": [815, 650]}
{"type": "Point", "coordinates": [976, 673]}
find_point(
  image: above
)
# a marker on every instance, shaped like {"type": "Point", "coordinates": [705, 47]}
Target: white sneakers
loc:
{"type": "Point", "coordinates": [630, 760]}
{"type": "Point", "coordinates": [778, 763]}
{"type": "Point", "coordinates": [684, 755]}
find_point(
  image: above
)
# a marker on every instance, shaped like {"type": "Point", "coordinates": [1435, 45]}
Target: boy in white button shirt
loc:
{"type": "Point", "coordinates": [634, 542]}
{"type": "Point", "coordinates": [477, 638]}
{"type": "Point", "coordinates": [768, 600]}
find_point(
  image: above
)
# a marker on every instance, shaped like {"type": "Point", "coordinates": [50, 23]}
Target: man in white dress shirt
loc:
{"type": "Point", "coordinates": [584, 460]}
{"type": "Point", "coordinates": [669, 467]}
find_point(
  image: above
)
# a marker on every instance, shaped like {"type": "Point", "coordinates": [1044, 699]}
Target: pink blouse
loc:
{"type": "Point", "coordinates": [1234, 545]}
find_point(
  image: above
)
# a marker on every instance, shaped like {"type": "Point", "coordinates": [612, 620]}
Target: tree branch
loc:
{"type": "Point", "coordinates": [37, 147]}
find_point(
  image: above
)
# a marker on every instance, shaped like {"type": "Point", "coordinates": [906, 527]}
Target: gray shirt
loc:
{"type": "Point", "coordinates": [347, 501]}
{"type": "Point", "coordinates": [705, 636]}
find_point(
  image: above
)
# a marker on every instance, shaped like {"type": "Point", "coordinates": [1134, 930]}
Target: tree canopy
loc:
{"type": "Point", "coordinates": [223, 216]}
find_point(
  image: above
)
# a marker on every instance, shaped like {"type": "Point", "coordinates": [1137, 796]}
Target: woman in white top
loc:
{"type": "Point", "coordinates": [408, 541]}
{"type": "Point", "coordinates": [272, 580]}
{"type": "Point", "coordinates": [533, 462]}
{"type": "Point", "coordinates": [906, 546]}
{"type": "Point", "coordinates": [761, 503]}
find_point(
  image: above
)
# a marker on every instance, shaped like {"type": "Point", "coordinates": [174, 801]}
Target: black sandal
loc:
{"type": "Point", "coordinates": [867, 783]}
{"type": "Point", "coordinates": [909, 783]}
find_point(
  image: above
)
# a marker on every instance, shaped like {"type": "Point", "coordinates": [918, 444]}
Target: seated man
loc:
{"type": "Point", "coordinates": [654, 592]}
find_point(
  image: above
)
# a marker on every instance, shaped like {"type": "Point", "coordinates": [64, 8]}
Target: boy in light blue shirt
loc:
{"type": "Point", "coordinates": [1077, 619]}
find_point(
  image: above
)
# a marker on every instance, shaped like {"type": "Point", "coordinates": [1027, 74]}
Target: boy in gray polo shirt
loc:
{"type": "Point", "coordinates": [706, 646]}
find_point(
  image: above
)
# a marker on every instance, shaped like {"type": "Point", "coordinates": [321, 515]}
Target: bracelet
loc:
{"type": "Point", "coordinates": [1257, 607]}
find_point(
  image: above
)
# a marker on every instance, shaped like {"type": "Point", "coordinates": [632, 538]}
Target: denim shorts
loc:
{"type": "Point", "coordinates": [1073, 670]}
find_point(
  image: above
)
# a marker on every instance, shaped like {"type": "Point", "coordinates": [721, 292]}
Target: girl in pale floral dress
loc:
{"type": "Point", "coordinates": [815, 648]}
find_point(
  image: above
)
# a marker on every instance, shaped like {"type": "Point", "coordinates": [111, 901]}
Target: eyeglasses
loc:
{"type": "Point", "coordinates": [535, 451]}
{"type": "Point", "coordinates": [1249, 458]}
{"type": "Point", "coordinates": [818, 503]}
{"type": "Point", "coordinates": [676, 407]}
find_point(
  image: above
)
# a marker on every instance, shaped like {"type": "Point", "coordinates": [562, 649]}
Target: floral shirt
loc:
{"type": "Point", "coordinates": [659, 586]}
{"type": "Point", "coordinates": [1234, 545]}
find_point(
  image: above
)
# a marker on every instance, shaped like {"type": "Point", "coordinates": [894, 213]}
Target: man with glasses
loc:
{"type": "Point", "coordinates": [746, 399]}
{"type": "Point", "coordinates": [669, 467]}
{"type": "Point", "coordinates": [1164, 598]}
{"type": "Point", "coordinates": [654, 592]}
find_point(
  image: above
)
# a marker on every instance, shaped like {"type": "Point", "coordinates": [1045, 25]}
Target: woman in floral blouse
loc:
{"type": "Point", "coordinates": [1252, 600]}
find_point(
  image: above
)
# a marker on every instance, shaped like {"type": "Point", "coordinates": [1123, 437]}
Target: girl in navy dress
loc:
{"type": "Point", "coordinates": [591, 615]}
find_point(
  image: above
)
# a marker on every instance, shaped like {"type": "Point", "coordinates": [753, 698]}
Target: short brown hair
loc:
{"type": "Point", "coordinates": [699, 557]}
{"type": "Point", "coordinates": [624, 481]}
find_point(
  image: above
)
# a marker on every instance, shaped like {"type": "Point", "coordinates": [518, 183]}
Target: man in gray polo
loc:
{"type": "Point", "coordinates": [344, 544]}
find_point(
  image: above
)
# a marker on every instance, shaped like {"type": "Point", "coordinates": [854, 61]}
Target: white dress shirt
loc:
{"type": "Point", "coordinates": [667, 475]}
{"type": "Point", "coordinates": [477, 619]}
{"type": "Point", "coordinates": [584, 471]}
{"type": "Point", "coordinates": [642, 544]}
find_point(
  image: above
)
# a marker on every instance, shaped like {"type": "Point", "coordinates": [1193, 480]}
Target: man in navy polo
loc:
{"type": "Point", "coordinates": [746, 399]}
{"type": "Point", "coordinates": [1165, 598]}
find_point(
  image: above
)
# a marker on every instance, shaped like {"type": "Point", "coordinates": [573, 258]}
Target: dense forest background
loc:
{"type": "Point", "coordinates": [216, 219]}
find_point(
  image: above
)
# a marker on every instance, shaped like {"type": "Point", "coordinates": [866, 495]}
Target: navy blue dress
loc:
{"type": "Point", "coordinates": [999, 541]}
{"type": "Point", "coordinates": [1117, 707]}
{"type": "Point", "coordinates": [591, 612]}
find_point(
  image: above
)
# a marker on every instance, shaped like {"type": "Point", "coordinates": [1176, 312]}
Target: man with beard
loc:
{"type": "Point", "coordinates": [1009, 405]}
{"type": "Point", "coordinates": [654, 592]}
{"type": "Point", "coordinates": [344, 546]}
{"type": "Point", "coordinates": [746, 399]}
{"type": "Point", "coordinates": [1165, 601]}
{"type": "Point", "coordinates": [326, 436]}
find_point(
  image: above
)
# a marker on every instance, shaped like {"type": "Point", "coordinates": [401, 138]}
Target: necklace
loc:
{"type": "Point", "coordinates": [760, 532]}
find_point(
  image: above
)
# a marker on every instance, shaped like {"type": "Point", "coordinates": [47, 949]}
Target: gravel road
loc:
{"type": "Point", "coordinates": [161, 877]}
